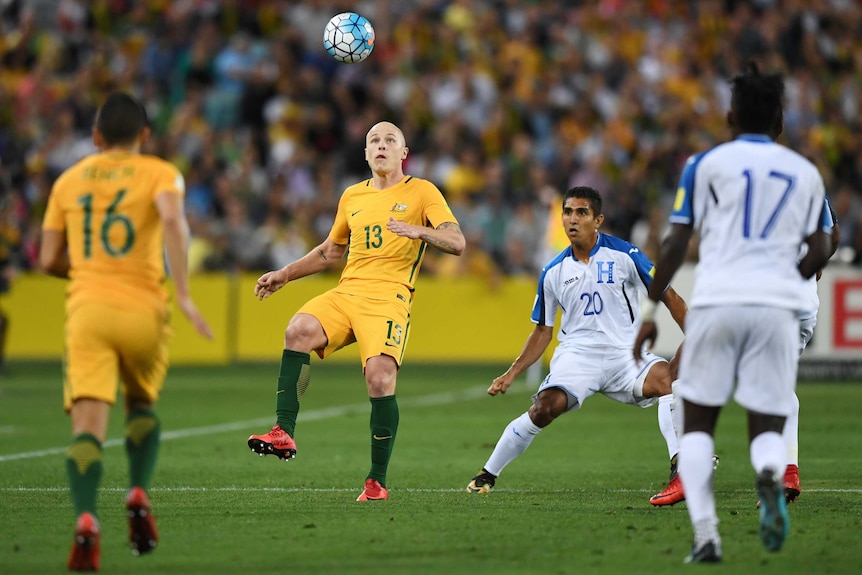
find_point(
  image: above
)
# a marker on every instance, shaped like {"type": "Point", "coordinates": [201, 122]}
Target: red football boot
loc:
{"type": "Point", "coordinates": [373, 491]}
{"type": "Point", "coordinates": [277, 442]}
{"type": "Point", "coordinates": [85, 550]}
{"type": "Point", "coordinates": [143, 536]}
{"type": "Point", "coordinates": [671, 495]}
{"type": "Point", "coordinates": [792, 488]}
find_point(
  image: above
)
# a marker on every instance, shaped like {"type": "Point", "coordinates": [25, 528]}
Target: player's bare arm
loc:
{"type": "Point", "coordinates": [536, 344]}
{"type": "Point", "coordinates": [676, 306]}
{"type": "Point", "coordinates": [318, 259]}
{"type": "Point", "coordinates": [673, 250]}
{"type": "Point", "coordinates": [53, 253]}
{"type": "Point", "coordinates": [836, 236]}
{"type": "Point", "coordinates": [176, 233]}
{"type": "Point", "coordinates": [836, 240]}
{"type": "Point", "coordinates": [819, 251]}
{"type": "Point", "coordinates": [446, 237]}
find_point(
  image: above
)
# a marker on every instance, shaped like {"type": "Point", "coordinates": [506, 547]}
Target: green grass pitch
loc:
{"type": "Point", "coordinates": [575, 502]}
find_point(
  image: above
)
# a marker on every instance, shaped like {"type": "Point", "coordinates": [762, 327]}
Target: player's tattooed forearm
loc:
{"type": "Point", "coordinates": [442, 244]}
{"type": "Point", "coordinates": [322, 255]}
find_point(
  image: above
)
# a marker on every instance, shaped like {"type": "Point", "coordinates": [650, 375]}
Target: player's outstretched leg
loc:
{"type": "Point", "coordinates": [516, 438]}
{"type": "Point", "coordinates": [774, 520]}
{"type": "Point", "coordinates": [293, 378]}
{"type": "Point", "coordinates": [85, 549]}
{"type": "Point", "coordinates": [277, 442]}
{"type": "Point", "coordinates": [482, 483]}
{"type": "Point", "coordinates": [670, 430]}
{"type": "Point", "coordinates": [143, 536]}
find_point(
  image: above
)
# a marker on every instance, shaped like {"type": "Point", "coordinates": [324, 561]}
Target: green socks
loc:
{"type": "Point", "coordinates": [384, 425]}
{"type": "Point", "coordinates": [293, 378]}
{"type": "Point", "coordinates": [142, 446]}
{"type": "Point", "coordinates": [84, 469]}
{"type": "Point", "coordinates": [84, 459]}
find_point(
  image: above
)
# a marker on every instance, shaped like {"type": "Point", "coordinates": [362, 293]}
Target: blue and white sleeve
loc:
{"type": "Point", "coordinates": [683, 205]}
{"type": "Point", "coordinates": [545, 303]}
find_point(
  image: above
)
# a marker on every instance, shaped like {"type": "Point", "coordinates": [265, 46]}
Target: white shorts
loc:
{"type": "Point", "coordinates": [755, 347]}
{"type": "Point", "coordinates": [611, 372]}
{"type": "Point", "coordinates": [806, 331]}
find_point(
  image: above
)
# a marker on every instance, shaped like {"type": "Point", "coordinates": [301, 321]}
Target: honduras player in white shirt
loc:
{"type": "Point", "coordinates": [755, 203]}
{"type": "Point", "coordinates": [597, 282]}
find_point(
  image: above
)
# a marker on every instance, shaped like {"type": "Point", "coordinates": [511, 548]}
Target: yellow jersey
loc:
{"type": "Point", "coordinates": [378, 259]}
{"type": "Point", "coordinates": [105, 204]}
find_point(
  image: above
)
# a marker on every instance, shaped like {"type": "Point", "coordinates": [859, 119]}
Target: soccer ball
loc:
{"type": "Point", "coordinates": [348, 37]}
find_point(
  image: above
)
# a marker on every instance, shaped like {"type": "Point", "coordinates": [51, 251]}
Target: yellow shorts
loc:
{"type": "Point", "coordinates": [105, 344]}
{"type": "Point", "coordinates": [380, 325]}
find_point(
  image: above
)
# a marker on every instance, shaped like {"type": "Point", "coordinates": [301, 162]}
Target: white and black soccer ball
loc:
{"type": "Point", "coordinates": [348, 37]}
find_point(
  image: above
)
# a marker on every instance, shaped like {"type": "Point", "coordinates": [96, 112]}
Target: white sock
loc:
{"type": "Point", "coordinates": [666, 426]}
{"type": "Point", "coordinates": [676, 409]}
{"type": "Point", "coordinates": [768, 451]}
{"type": "Point", "coordinates": [515, 440]}
{"type": "Point", "coordinates": [705, 531]}
{"type": "Point", "coordinates": [695, 471]}
{"type": "Point", "coordinates": [791, 433]}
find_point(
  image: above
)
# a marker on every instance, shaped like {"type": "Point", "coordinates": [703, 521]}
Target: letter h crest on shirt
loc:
{"type": "Point", "coordinates": [604, 270]}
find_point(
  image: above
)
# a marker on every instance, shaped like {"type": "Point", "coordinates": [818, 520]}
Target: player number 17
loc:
{"type": "Point", "coordinates": [749, 195]}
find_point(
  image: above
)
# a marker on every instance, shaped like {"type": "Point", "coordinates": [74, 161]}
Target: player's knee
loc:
{"type": "Point", "coordinates": [380, 384]}
{"type": "Point", "coordinates": [547, 407]}
{"type": "Point", "coordinates": [541, 414]}
{"type": "Point", "coordinates": [380, 374]}
{"type": "Point", "coordinates": [657, 388]}
{"type": "Point", "coordinates": [304, 334]}
{"type": "Point", "coordinates": [673, 368]}
{"type": "Point", "coordinates": [137, 404]}
{"type": "Point", "coordinates": [658, 381]}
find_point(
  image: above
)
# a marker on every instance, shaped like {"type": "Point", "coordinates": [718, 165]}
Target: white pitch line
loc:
{"type": "Point", "coordinates": [344, 490]}
{"type": "Point", "coordinates": [446, 397]}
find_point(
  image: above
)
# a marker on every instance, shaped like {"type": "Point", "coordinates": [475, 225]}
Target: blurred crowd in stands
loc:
{"type": "Point", "coordinates": [504, 105]}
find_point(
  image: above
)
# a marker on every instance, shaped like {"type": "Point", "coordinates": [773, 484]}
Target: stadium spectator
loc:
{"type": "Point", "coordinates": [10, 263]}
{"type": "Point", "coordinates": [614, 91]}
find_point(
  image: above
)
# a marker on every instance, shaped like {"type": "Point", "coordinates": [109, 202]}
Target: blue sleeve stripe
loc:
{"type": "Point", "coordinates": [826, 221]}
{"type": "Point", "coordinates": [643, 265]}
{"type": "Point", "coordinates": [683, 208]}
{"type": "Point", "coordinates": [538, 314]}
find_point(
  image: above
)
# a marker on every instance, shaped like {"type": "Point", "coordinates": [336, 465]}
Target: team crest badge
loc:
{"type": "Point", "coordinates": [399, 208]}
